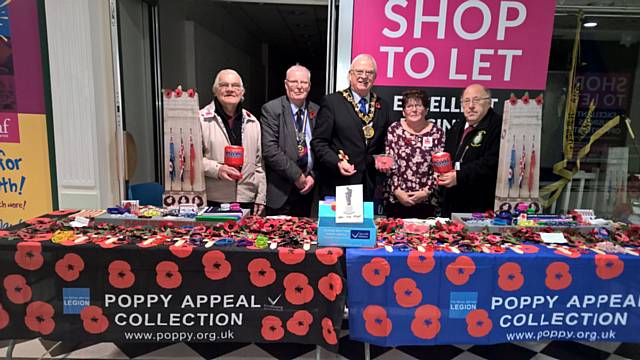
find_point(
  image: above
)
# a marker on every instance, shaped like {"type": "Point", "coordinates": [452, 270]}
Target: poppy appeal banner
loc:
{"type": "Point", "coordinates": [414, 298]}
{"type": "Point", "coordinates": [452, 43]}
{"type": "Point", "coordinates": [160, 294]}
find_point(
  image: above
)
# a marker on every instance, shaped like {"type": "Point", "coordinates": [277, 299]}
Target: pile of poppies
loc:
{"type": "Point", "coordinates": [452, 235]}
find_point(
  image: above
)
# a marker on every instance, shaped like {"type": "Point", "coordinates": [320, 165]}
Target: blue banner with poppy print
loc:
{"type": "Point", "coordinates": [144, 292]}
{"type": "Point", "coordinates": [535, 294]}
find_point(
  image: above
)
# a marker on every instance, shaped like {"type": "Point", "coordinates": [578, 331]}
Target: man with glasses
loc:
{"type": "Point", "coordinates": [224, 122]}
{"type": "Point", "coordinates": [286, 124]}
{"type": "Point", "coordinates": [351, 128]}
{"type": "Point", "coordinates": [474, 146]}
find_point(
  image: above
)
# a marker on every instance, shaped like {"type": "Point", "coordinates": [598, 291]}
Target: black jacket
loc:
{"type": "Point", "coordinates": [478, 156]}
{"type": "Point", "coordinates": [338, 127]}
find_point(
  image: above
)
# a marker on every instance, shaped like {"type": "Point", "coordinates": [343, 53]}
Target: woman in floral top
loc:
{"type": "Point", "coordinates": [410, 191]}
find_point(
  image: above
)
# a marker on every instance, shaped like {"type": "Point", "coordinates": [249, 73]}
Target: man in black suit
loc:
{"type": "Point", "coordinates": [474, 146]}
{"type": "Point", "coordinates": [287, 124]}
{"type": "Point", "coordinates": [351, 128]}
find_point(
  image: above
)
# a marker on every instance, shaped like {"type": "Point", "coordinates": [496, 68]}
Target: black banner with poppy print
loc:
{"type": "Point", "coordinates": [169, 294]}
{"type": "Point", "coordinates": [538, 294]}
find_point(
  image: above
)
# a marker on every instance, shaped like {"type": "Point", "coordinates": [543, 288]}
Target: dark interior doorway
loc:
{"type": "Point", "coordinates": [259, 40]}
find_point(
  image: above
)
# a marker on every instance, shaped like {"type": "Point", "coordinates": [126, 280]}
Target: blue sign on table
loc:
{"type": "Point", "coordinates": [415, 298]}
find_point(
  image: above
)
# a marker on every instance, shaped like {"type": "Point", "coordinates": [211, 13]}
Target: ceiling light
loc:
{"type": "Point", "coordinates": [588, 23]}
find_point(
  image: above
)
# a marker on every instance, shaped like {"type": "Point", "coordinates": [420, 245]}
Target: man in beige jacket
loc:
{"type": "Point", "coordinates": [224, 122]}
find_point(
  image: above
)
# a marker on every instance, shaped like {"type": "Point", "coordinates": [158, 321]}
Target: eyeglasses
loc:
{"type": "Point", "coordinates": [234, 86]}
{"type": "Point", "coordinates": [301, 83]}
{"type": "Point", "coordinates": [473, 101]}
{"type": "Point", "coordinates": [414, 106]}
{"type": "Point", "coordinates": [367, 73]}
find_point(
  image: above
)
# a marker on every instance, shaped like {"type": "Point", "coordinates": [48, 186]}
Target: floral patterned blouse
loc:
{"type": "Point", "coordinates": [412, 169]}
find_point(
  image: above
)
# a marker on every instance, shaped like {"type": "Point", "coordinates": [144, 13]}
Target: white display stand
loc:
{"type": "Point", "coordinates": [521, 129]}
{"type": "Point", "coordinates": [182, 129]}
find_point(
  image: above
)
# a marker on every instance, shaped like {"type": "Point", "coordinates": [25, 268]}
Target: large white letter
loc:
{"type": "Point", "coordinates": [453, 65]}
{"type": "Point", "coordinates": [440, 19]}
{"type": "Point", "coordinates": [477, 64]}
{"type": "Point", "coordinates": [503, 23]}
{"type": "Point", "coordinates": [430, 59]}
{"type": "Point", "coordinates": [508, 60]}
{"type": "Point", "coordinates": [486, 20]}
{"type": "Point", "coordinates": [391, 57]}
{"type": "Point", "coordinates": [388, 12]}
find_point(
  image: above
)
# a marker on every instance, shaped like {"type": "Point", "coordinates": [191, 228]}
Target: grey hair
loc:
{"type": "Point", "coordinates": [217, 79]}
{"type": "Point", "coordinates": [363, 57]}
{"type": "Point", "coordinates": [484, 88]}
{"type": "Point", "coordinates": [298, 67]}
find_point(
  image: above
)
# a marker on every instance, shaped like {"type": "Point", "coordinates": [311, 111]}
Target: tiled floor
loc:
{"type": "Point", "coordinates": [34, 349]}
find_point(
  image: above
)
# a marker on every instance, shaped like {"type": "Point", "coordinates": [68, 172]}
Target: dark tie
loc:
{"type": "Point", "coordinates": [363, 105]}
{"type": "Point", "coordinates": [465, 133]}
{"type": "Point", "coordinates": [299, 120]}
{"type": "Point", "coordinates": [302, 143]}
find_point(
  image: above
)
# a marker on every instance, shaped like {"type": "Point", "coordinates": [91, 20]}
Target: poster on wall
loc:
{"type": "Point", "coordinates": [25, 177]}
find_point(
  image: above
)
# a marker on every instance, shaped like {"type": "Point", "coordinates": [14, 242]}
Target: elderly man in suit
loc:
{"type": "Point", "coordinates": [351, 128]}
{"type": "Point", "coordinates": [287, 124]}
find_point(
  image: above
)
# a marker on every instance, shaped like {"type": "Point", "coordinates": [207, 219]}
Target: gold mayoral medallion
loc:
{"type": "Point", "coordinates": [368, 131]}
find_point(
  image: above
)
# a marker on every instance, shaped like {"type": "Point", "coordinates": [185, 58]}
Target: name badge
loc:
{"type": "Point", "coordinates": [457, 166]}
{"type": "Point", "coordinates": [427, 142]}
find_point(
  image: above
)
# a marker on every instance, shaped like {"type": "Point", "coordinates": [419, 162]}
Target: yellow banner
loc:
{"type": "Point", "coordinates": [25, 182]}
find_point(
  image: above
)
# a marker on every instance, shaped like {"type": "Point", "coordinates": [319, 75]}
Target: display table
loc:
{"type": "Point", "coordinates": [105, 292]}
{"type": "Point", "coordinates": [420, 298]}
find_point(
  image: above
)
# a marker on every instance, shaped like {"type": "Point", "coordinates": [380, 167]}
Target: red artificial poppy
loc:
{"type": "Point", "coordinates": [421, 262]}
{"type": "Point", "coordinates": [297, 289]}
{"type": "Point", "coordinates": [120, 275]}
{"type": "Point", "coordinates": [168, 275]}
{"type": "Point", "coordinates": [478, 323]}
{"type": "Point", "coordinates": [261, 273]}
{"type": "Point", "coordinates": [39, 317]}
{"type": "Point", "coordinates": [291, 256]}
{"type": "Point", "coordinates": [330, 286]}
{"type": "Point", "coordinates": [569, 252]}
{"type": "Point", "coordinates": [376, 321]}
{"type": "Point", "coordinates": [513, 99]}
{"type": "Point", "coordinates": [178, 92]}
{"type": "Point", "coordinates": [510, 276]}
{"type": "Point", "coordinates": [93, 321]}
{"type": "Point", "coordinates": [39, 220]}
{"type": "Point", "coordinates": [29, 255]}
{"type": "Point", "coordinates": [17, 289]}
{"type": "Point", "coordinates": [426, 323]}
{"type": "Point", "coordinates": [459, 271]}
{"type": "Point", "coordinates": [525, 98]}
{"type": "Point", "coordinates": [558, 276]}
{"type": "Point", "coordinates": [216, 267]}
{"type": "Point", "coordinates": [407, 294]}
{"type": "Point", "coordinates": [539, 99]}
{"type": "Point", "coordinates": [272, 328]}
{"type": "Point", "coordinates": [4, 233]}
{"type": "Point", "coordinates": [62, 212]}
{"type": "Point", "coordinates": [191, 93]}
{"type": "Point", "coordinates": [608, 266]}
{"type": "Point", "coordinates": [299, 323]}
{"type": "Point", "coordinates": [529, 249]}
{"type": "Point", "coordinates": [69, 267]}
{"type": "Point", "coordinates": [168, 93]}
{"type": "Point", "coordinates": [230, 226]}
{"type": "Point", "coordinates": [181, 251]}
{"type": "Point", "coordinates": [328, 332]}
{"type": "Point", "coordinates": [329, 255]}
{"type": "Point", "coordinates": [4, 318]}
{"type": "Point", "coordinates": [375, 272]}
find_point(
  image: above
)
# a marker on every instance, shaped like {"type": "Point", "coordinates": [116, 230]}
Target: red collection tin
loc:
{"type": "Point", "coordinates": [441, 162]}
{"type": "Point", "coordinates": [234, 156]}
